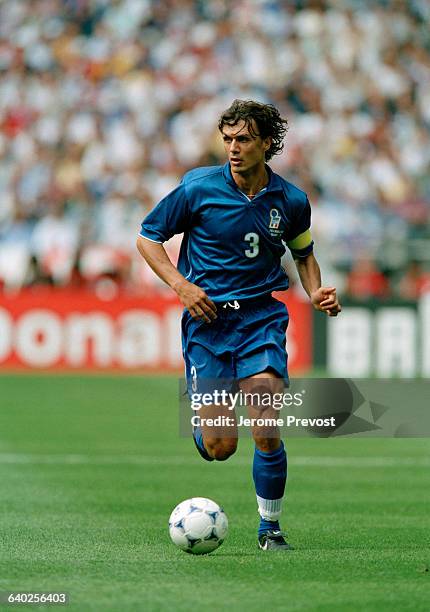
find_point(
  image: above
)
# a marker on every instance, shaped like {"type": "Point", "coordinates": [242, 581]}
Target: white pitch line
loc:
{"type": "Point", "coordinates": [170, 460]}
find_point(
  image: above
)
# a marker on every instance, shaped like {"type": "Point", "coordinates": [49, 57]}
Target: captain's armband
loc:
{"type": "Point", "coordinates": [302, 245]}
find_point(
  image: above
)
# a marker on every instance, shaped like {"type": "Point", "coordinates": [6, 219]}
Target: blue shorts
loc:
{"type": "Point", "coordinates": [239, 343]}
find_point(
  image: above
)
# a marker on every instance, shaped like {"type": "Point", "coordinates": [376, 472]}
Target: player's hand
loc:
{"type": "Point", "coordinates": [196, 301]}
{"type": "Point", "coordinates": [325, 299]}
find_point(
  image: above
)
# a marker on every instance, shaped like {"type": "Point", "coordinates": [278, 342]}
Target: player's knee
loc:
{"type": "Point", "coordinates": [266, 445]}
{"type": "Point", "coordinates": [221, 448]}
{"type": "Point", "coordinates": [224, 451]}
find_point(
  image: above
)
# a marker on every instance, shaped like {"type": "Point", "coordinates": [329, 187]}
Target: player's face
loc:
{"type": "Point", "coordinates": [244, 148]}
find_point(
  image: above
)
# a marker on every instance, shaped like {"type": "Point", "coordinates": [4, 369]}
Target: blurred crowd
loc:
{"type": "Point", "coordinates": [104, 104]}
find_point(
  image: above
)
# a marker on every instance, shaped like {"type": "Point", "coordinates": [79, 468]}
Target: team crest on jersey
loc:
{"type": "Point", "coordinates": [275, 221]}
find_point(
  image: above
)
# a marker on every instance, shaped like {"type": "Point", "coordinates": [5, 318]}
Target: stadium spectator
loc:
{"type": "Point", "coordinates": [415, 282]}
{"type": "Point", "coordinates": [366, 281]}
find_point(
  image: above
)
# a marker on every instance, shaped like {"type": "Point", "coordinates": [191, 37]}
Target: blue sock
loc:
{"type": "Point", "coordinates": [198, 437]}
{"type": "Point", "coordinates": [267, 526]}
{"type": "Point", "coordinates": [270, 474]}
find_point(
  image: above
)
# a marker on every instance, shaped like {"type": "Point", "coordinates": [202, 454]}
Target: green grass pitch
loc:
{"type": "Point", "coordinates": [91, 467]}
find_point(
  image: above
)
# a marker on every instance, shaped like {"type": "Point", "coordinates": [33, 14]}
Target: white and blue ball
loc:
{"type": "Point", "coordinates": [198, 525]}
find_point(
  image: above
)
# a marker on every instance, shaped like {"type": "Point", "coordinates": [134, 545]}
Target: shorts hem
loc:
{"type": "Point", "coordinates": [251, 371]}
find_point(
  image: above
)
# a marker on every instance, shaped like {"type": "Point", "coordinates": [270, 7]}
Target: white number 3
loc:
{"type": "Point", "coordinates": [253, 240]}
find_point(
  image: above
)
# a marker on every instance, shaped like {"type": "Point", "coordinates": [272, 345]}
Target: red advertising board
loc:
{"type": "Point", "coordinates": [300, 331]}
{"type": "Point", "coordinates": [68, 329]}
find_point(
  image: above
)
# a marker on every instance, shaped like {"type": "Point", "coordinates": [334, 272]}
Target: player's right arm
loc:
{"type": "Point", "coordinates": [193, 298]}
{"type": "Point", "coordinates": [173, 215]}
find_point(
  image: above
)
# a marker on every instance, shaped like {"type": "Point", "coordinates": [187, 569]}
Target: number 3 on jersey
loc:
{"type": "Point", "coordinates": [254, 248]}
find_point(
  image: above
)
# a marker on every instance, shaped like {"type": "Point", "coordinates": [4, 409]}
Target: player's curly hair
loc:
{"type": "Point", "coordinates": [267, 119]}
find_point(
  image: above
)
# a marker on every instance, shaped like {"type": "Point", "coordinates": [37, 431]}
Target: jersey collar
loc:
{"type": "Point", "coordinates": [274, 183]}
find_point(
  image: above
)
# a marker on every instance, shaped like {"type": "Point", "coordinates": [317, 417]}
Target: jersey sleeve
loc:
{"type": "Point", "coordinates": [298, 237]}
{"type": "Point", "coordinates": [171, 216]}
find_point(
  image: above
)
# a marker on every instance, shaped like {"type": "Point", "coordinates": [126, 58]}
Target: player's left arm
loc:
{"type": "Point", "coordinates": [322, 298]}
{"type": "Point", "coordinates": [299, 241]}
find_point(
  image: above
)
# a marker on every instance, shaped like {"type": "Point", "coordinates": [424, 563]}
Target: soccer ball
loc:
{"type": "Point", "coordinates": [198, 525]}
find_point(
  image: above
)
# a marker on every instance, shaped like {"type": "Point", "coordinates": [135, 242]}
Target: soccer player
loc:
{"type": "Point", "coordinates": [236, 219]}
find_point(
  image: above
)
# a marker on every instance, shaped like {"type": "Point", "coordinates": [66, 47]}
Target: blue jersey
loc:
{"type": "Point", "coordinates": [232, 246]}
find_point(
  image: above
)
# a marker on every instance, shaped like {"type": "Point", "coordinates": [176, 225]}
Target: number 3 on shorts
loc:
{"type": "Point", "coordinates": [253, 240]}
{"type": "Point", "coordinates": [193, 373]}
